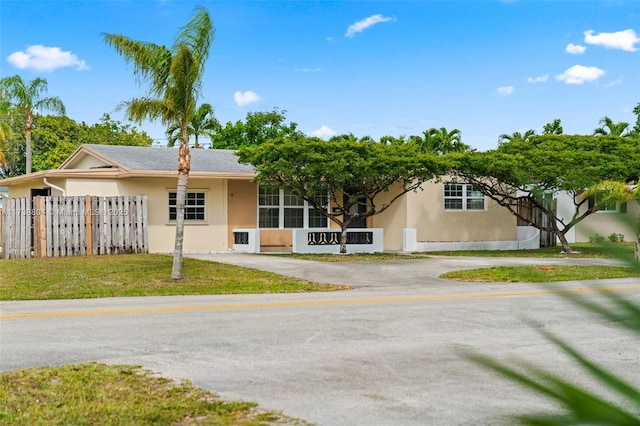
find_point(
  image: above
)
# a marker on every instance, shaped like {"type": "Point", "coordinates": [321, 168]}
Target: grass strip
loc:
{"type": "Point", "coordinates": [98, 394]}
{"type": "Point", "coordinates": [541, 273]}
{"type": "Point", "coordinates": [136, 275]}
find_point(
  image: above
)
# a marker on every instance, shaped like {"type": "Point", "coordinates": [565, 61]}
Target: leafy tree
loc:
{"type": "Point", "coordinates": [174, 76]}
{"type": "Point", "coordinates": [553, 128]}
{"type": "Point", "coordinates": [352, 172]}
{"type": "Point", "coordinates": [5, 129]}
{"type": "Point", "coordinates": [29, 98]}
{"type": "Point", "coordinates": [608, 127]}
{"type": "Point", "coordinates": [257, 128]}
{"type": "Point", "coordinates": [203, 123]}
{"type": "Point", "coordinates": [519, 171]}
{"type": "Point", "coordinates": [113, 132]}
{"type": "Point", "coordinates": [517, 137]}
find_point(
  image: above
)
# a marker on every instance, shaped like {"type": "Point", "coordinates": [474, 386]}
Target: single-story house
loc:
{"type": "Point", "coordinates": [221, 198]}
{"type": "Point", "coordinates": [619, 219]}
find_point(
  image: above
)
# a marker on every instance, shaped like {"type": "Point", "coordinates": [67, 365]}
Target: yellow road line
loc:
{"type": "Point", "coordinates": [390, 299]}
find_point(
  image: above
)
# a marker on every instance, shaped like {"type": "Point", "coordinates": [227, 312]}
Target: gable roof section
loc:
{"type": "Point", "coordinates": [117, 162]}
{"type": "Point", "coordinates": [140, 158]}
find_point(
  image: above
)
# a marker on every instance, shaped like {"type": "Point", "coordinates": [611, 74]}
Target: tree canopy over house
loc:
{"type": "Point", "coordinates": [524, 171]}
{"type": "Point", "coordinates": [350, 174]}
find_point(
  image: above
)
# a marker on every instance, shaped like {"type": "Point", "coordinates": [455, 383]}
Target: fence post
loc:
{"type": "Point", "coordinates": [88, 224]}
{"type": "Point", "coordinates": [39, 227]}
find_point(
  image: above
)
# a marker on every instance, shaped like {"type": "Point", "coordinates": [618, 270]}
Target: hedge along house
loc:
{"type": "Point", "coordinates": [221, 198]}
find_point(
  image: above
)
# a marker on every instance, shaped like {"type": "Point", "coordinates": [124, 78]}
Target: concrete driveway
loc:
{"type": "Point", "coordinates": [381, 354]}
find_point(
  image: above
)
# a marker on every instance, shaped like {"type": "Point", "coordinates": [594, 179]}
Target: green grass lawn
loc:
{"type": "Point", "coordinates": [590, 250]}
{"type": "Point", "coordinates": [136, 275]}
{"type": "Point", "coordinates": [542, 273]}
{"type": "Point", "coordinates": [98, 394]}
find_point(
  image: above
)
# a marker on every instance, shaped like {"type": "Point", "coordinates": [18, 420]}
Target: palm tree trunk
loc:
{"type": "Point", "coordinates": [28, 151]}
{"type": "Point", "coordinates": [184, 165]}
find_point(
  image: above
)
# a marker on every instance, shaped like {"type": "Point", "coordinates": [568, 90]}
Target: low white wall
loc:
{"type": "Point", "coordinates": [528, 239]}
{"type": "Point", "coordinates": [253, 245]}
{"type": "Point", "coordinates": [300, 242]}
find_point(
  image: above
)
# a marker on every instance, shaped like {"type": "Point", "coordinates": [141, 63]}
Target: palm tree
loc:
{"type": "Point", "coordinates": [28, 98]}
{"type": "Point", "coordinates": [553, 128]}
{"type": "Point", "coordinates": [175, 78]}
{"type": "Point", "coordinates": [517, 137]}
{"type": "Point", "coordinates": [608, 127]}
{"type": "Point", "coordinates": [440, 141]}
{"type": "Point", "coordinates": [203, 123]}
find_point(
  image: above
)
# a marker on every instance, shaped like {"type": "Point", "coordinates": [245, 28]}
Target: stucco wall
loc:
{"type": "Point", "coordinates": [242, 206]}
{"type": "Point", "coordinates": [24, 190]}
{"type": "Point", "coordinates": [424, 211]}
{"type": "Point", "coordinates": [606, 223]}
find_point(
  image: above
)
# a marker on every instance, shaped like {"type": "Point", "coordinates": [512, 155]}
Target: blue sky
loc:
{"type": "Point", "coordinates": [367, 68]}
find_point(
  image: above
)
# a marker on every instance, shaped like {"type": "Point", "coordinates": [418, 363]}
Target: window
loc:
{"type": "Point", "coordinates": [462, 197]}
{"type": "Point", "coordinates": [194, 206]}
{"type": "Point", "coordinates": [279, 208]}
{"type": "Point", "coordinates": [611, 206]}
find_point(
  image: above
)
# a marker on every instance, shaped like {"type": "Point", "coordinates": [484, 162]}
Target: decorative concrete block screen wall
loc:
{"type": "Point", "coordinates": [322, 240]}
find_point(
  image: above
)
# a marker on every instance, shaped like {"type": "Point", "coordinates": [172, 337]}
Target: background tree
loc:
{"type": "Point", "coordinates": [635, 132]}
{"type": "Point", "coordinates": [257, 128]}
{"type": "Point", "coordinates": [440, 141]}
{"type": "Point", "coordinates": [5, 129]}
{"type": "Point", "coordinates": [203, 123]}
{"type": "Point", "coordinates": [517, 137]}
{"type": "Point", "coordinates": [351, 172]}
{"type": "Point", "coordinates": [608, 127]}
{"type": "Point", "coordinates": [174, 78]}
{"type": "Point", "coordinates": [553, 128]}
{"type": "Point", "coordinates": [520, 172]}
{"type": "Point", "coordinates": [29, 98]}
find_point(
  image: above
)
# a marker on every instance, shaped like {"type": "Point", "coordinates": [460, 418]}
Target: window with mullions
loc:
{"type": "Point", "coordinates": [462, 197]}
{"type": "Point", "coordinates": [611, 206]}
{"type": "Point", "coordinates": [279, 208]}
{"type": "Point", "coordinates": [194, 206]}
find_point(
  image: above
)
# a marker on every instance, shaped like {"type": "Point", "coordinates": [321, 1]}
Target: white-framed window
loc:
{"type": "Point", "coordinates": [461, 196]}
{"type": "Point", "coordinates": [280, 209]}
{"type": "Point", "coordinates": [611, 206]}
{"type": "Point", "coordinates": [194, 206]}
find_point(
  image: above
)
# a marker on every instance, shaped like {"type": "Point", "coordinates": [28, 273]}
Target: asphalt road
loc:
{"type": "Point", "coordinates": [381, 354]}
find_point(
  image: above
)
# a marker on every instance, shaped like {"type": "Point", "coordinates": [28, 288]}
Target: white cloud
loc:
{"type": "Point", "coordinates": [308, 69]}
{"type": "Point", "coordinates": [623, 40]}
{"type": "Point", "coordinates": [540, 79]}
{"type": "Point", "coordinates": [323, 132]}
{"type": "Point", "coordinates": [43, 58]}
{"type": "Point", "coordinates": [245, 98]}
{"type": "Point", "coordinates": [575, 49]}
{"type": "Point", "coordinates": [360, 26]}
{"type": "Point", "coordinates": [579, 74]}
{"type": "Point", "coordinates": [505, 90]}
{"type": "Point", "coordinates": [613, 83]}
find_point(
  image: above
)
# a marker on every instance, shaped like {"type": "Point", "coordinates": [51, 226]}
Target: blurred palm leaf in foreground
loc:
{"type": "Point", "coordinates": [580, 406]}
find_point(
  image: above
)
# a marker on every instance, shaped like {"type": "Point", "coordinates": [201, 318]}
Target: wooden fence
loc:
{"type": "Point", "coordinates": [536, 217]}
{"type": "Point", "coordinates": [74, 226]}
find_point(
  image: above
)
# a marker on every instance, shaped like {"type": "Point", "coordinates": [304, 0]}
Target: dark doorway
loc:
{"type": "Point", "coordinates": [360, 207]}
{"type": "Point", "coordinates": [43, 192]}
